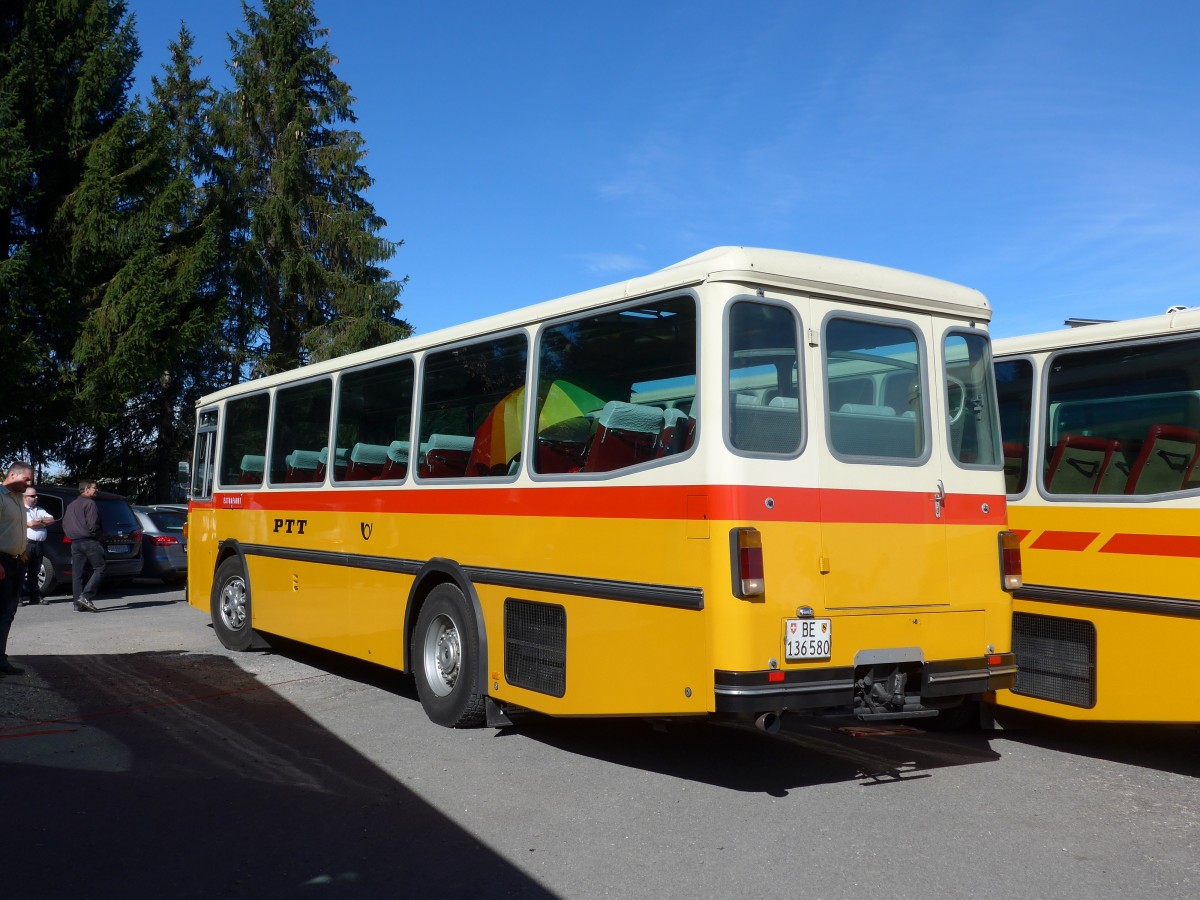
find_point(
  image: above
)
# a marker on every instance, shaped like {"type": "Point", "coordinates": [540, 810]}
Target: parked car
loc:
{"type": "Point", "coordinates": [164, 543]}
{"type": "Point", "coordinates": [120, 534]}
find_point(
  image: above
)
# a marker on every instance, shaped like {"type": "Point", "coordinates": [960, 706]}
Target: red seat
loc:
{"type": "Point", "coordinates": [626, 434]}
{"type": "Point", "coordinates": [1079, 464]}
{"type": "Point", "coordinates": [1166, 460]}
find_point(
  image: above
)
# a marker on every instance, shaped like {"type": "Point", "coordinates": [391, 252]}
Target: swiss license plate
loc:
{"type": "Point", "coordinates": [118, 548]}
{"type": "Point", "coordinates": [807, 638]}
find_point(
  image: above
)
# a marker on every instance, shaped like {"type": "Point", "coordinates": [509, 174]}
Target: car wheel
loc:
{"type": "Point", "coordinates": [445, 659]}
{"type": "Point", "coordinates": [47, 577]}
{"type": "Point", "coordinates": [231, 606]}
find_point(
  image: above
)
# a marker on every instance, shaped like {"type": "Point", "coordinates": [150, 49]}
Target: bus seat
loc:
{"type": "Point", "coordinates": [774, 428]}
{"type": "Point", "coordinates": [302, 466]}
{"type": "Point", "coordinates": [396, 466]}
{"type": "Point", "coordinates": [445, 455]}
{"type": "Point", "coordinates": [562, 446]}
{"type": "Point", "coordinates": [252, 469]}
{"type": "Point", "coordinates": [866, 409]}
{"type": "Point", "coordinates": [626, 434]}
{"type": "Point", "coordinates": [341, 458]}
{"type": "Point", "coordinates": [679, 430]}
{"type": "Point", "coordinates": [864, 429]}
{"type": "Point", "coordinates": [366, 462]}
{"type": "Point", "coordinates": [1014, 466]}
{"type": "Point", "coordinates": [1166, 461]}
{"type": "Point", "coordinates": [1079, 463]}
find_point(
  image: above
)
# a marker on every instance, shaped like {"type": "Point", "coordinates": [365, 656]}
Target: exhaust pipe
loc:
{"type": "Point", "coordinates": [768, 722]}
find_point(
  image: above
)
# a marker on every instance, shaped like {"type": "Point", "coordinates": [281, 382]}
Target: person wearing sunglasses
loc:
{"type": "Point", "coordinates": [36, 520]}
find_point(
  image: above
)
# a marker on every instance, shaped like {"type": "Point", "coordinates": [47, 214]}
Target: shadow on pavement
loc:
{"type": "Point", "coordinates": [163, 774]}
{"type": "Point", "coordinates": [1165, 748]}
{"type": "Point", "coordinates": [735, 757]}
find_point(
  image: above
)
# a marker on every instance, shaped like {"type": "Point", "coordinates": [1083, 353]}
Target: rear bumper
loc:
{"type": "Point", "coordinates": [832, 688]}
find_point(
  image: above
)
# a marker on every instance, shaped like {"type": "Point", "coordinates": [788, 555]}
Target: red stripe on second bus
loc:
{"type": "Point", "coordinates": [1153, 545]}
{"type": "Point", "coordinates": [1064, 540]}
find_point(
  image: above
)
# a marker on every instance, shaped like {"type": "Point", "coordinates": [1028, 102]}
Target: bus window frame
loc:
{"type": "Point", "coordinates": [530, 436]}
{"type": "Point", "coordinates": [414, 468]}
{"type": "Point", "coordinates": [1035, 389]}
{"type": "Point", "coordinates": [219, 484]}
{"type": "Point", "coordinates": [1041, 418]}
{"type": "Point", "coordinates": [923, 370]}
{"type": "Point", "coordinates": [990, 369]}
{"type": "Point", "coordinates": [335, 419]}
{"type": "Point", "coordinates": [802, 386]}
{"type": "Point", "coordinates": [268, 481]}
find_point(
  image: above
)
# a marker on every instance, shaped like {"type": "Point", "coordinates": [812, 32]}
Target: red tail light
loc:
{"type": "Point", "coordinates": [1010, 560]}
{"type": "Point", "coordinates": [162, 540]}
{"type": "Point", "coordinates": [748, 580]}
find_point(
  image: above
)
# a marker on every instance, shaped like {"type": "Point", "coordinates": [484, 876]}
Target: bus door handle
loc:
{"type": "Point", "coordinates": [939, 498]}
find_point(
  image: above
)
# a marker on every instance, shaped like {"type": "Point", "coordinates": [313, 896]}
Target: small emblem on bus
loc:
{"type": "Point", "coordinates": [365, 528]}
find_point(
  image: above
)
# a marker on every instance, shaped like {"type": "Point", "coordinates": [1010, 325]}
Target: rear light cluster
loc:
{"type": "Point", "coordinates": [162, 540]}
{"type": "Point", "coordinates": [1010, 560]}
{"type": "Point", "coordinates": [745, 545]}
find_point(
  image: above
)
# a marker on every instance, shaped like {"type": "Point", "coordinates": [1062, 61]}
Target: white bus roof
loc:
{"type": "Point", "coordinates": [854, 281]}
{"type": "Point", "coordinates": [1179, 322]}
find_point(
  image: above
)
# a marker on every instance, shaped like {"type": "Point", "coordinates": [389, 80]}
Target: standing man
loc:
{"type": "Point", "coordinates": [36, 520]}
{"type": "Point", "coordinates": [12, 553]}
{"type": "Point", "coordinates": [81, 525]}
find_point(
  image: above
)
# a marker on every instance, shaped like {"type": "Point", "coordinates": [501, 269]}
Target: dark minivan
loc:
{"type": "Point", "coordinates": [121, 536]}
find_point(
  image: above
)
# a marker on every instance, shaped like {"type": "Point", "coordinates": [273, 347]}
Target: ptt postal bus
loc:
{"type": "Point", "coordinates": [1101, 428]}
{"type": "Point", "coordinates": [756, 482]}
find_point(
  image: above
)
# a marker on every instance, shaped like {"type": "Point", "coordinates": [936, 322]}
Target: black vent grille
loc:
{"type": "Point", "coordinates": [1056, 659]}
{"type": "Point", "coordinates": [535, 646]}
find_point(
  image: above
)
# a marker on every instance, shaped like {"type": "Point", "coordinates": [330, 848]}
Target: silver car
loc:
{"type": "Point", "coordinates": [164, 544]}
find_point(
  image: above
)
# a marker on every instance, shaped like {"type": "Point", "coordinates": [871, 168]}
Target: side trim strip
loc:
{"type": "Point", "coordinates": [1110, 600]}
{"type": "Point", "coordinates": [768, 690]}
{"type": "Point", "coordinates": [675, 597]}
{"type": "Point", "coordinates": [939, 677]}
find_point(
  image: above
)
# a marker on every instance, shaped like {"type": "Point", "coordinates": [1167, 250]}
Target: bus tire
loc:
{"type": "Point", "coordinates": [231, 606]}
{"type": "Point", "coordinates": [445, 654]}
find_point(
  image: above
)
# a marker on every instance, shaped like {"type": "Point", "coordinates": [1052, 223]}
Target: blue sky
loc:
{"type": "Point", "coordinates": [1045, 153]}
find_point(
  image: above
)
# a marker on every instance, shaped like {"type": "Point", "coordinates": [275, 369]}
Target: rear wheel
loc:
{"type": "Point", "coordinates": [231, 606]}
{"type": "Point", "coordinates": [445, 655]}
{"type": "Point", "coordinates": [47, 577]}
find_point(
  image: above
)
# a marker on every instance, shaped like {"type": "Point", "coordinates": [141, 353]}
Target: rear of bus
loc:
{"type": "Point", "coordinates": [865, 517]}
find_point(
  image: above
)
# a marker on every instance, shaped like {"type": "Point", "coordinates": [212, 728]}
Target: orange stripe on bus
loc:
{"type": "Point", "coordinates": [1064, 540]}
{"type": "Point", "coordinates": [1021, 534]}
{"type": "Point", "coordinates": [1153, 545]}
{"type": "Point", "coordinates": [725, 503]}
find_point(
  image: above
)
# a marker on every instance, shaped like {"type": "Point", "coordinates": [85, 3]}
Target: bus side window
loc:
{"type": "Point", "coordinates": [616, 389]}
{"type": "Point", "coordinates": [765, 412]}
{"type": "Point", "coordinates": [473, 409]}
{"type": "Point", "coordinates": [244, 440]}
{"type": "Point", "coordinates": [299, 429]}
{"type": "Point", "coordinates": [374, 418]}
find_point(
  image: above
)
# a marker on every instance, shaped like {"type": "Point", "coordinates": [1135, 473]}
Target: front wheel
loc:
{"type": "Point", "coordinates": [445, 655]}
{"type": "Point", "coordinates": [231, 606]}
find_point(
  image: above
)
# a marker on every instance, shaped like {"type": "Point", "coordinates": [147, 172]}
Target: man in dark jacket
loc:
{"type": "Point", "coordinates": [81, 525]}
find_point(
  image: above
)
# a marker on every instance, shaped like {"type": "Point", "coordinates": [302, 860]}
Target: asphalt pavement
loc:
{"type": "Point", "coordinates": [139, 758]}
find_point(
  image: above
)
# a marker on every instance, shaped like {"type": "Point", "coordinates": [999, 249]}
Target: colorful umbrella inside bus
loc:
{"type": "Point", "coordinates": [498, 440]}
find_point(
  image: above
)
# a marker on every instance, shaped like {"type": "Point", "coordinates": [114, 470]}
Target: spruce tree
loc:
{"type": "Point", "coordinates": [309, 269]}
{"type": "Point", "coordinates": [65, 70]}
{"type": "Point", "coordinates": [145, 215]}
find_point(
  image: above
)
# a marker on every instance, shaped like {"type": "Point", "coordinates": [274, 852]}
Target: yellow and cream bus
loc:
{"type": "Point", "coordinates": [1101, 428]}
{"type": "Point", "coordinates": [756, 482]}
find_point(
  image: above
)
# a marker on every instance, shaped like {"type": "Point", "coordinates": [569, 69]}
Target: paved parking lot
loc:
{"type": "Point", "coordinates": [138, 757]}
